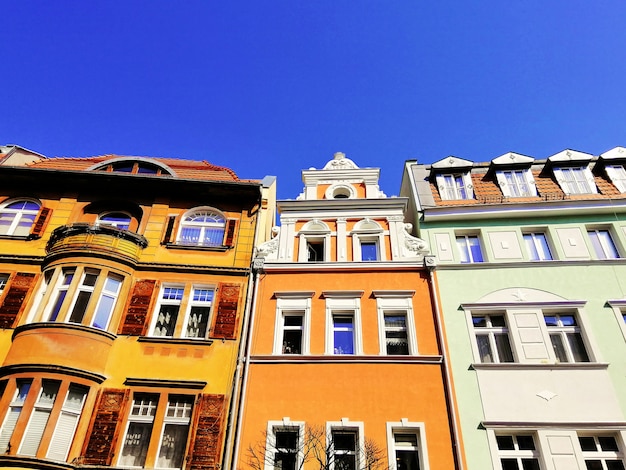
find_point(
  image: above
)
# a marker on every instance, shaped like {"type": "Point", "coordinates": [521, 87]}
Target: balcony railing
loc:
{"type": "Point", "coordinates": [103, 239]}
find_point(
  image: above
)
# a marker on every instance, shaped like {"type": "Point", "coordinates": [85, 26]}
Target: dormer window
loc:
{"type": "Point", "coordinates": [617, 173]}
{"type": "Point", "coordinates": [133, 166]}
{"type": "Point", "coordinates": [516, 183]}
{"type": "Point", "coordinates": [576, 180]}
{"type": "Point", "coordinates": [455, 186]}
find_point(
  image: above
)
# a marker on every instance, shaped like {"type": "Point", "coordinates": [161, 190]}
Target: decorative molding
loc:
{"type": "Point", "coordinates": [578, 425]}
{"type": "Point", "coordinates": [325, 359]}
{"type": "Point", "coordinates": [392, 293]}
{"type": "Point", "coordinates": [545, 365]}
{"type": "Point", "coordinates": [51, 369]}
{"type": "Point", "coordinates": [293, 294]}
{"type": "Point", "coordinates": [175, 341]}
{"type": "Point", "coordinates": [163, 383]}
{"type": "Point", "coordinates": [340, 162]}
{"type": "Point", "coordinates": [341, 294]}
{"type": "Point", "coordinates": [269, 249]}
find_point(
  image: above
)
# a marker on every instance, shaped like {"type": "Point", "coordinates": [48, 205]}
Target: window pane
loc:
{"type": "Point", "coordinates": [608, 443]}
{"type": "Point", "coordinates": [198, 321]}
{"type": "Point", "coordinates": [369, 251]}
{"type": "Point", "coordinates": [407, 460]}
{"type": "Point", "coordinates": [530, 464]}
{"type": "Point", "coordinates": [577, 346]}
{"type": "Point", "coordinates": [505, 354]}
{"type": "Point", "coordinates": [559, 348]}
{"type": "Point", "coordinates": [614, 465]}
{"type": "Point", "coordinates": [484, 349]}
{"type": "Point", "coordinates": [136, 444]}
{"type": "Point", "coordinates": [166, 321]}
{"type": "Point", "coordinates": [78, 312]}
{"type": "Point", "coordinates": [103, 312]}
{"type": "Point", "coordinates": [173, 446]}
{"type": "Point", "coordinates": [593, 465]}
{"type": "Point", "coordinates": [477, 256]}
{"type": "Point", "coordinates": [509, 464]}
{"type": "Point", "coordinates": [343, 335]}
{"type": "Point", "coordinates": [525, 442]}
{"type": "Point", "coordinates": [505, 442]}
{"type": "Point", "coordinates": [292, 342]}
{"type": "Point", "coordinates": [587, 443]}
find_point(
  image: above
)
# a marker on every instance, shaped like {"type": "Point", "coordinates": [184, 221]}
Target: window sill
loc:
{"type": "Point", "coordinates": [181, 341]}
{"type": "Point", "coordinates": [547, 365]}
{"type": "Point", "coordinates": [19, 237]}
{"type": "Point", "coordinates": [178, 246]}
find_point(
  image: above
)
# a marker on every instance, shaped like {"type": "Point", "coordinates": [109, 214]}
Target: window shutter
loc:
{"type": "Point", "coordinates": [135, 320]}
{"type": "Point", "coordinates": [469, 185]}
{"type": "Point", "coordinates": [206, 434]}
{"type": "Point", "coordinates": [21, 285]}
{"type": "Point", "coordinates": [41, 222]}
{"type": "Point", "coordinates": [591, 181]}
{"type": "Point", "coordinates": [34, 431]}
{"type": "Point", "coordinates": [102, 435]}
{"type": "Point", "coordinates": [169, 229]}
{"type": "Point", "coordinates": [8, 427]}
{"type": "Point", "coordinates": [504, 187]}
{"type": "Point", "coordinates": [63, 435]}
{"type": "Point", "coordinates": [225, 324]}
{"type": "Point", "coordinates": [230, 232]}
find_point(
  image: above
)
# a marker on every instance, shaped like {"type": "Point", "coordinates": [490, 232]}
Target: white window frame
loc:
{"type": "Point", "coordinates": [404, 426]}
{"type": "Point", "coordinates": [168, 302]}
{"type": "Point", "coordinates": [490, 332]}
{"type": "Point", "coordinates": [58, 280]}
{"type": "Point", "coordinates": [198, 303]}
{"type": "Point", "coordinates": [184, 420]}
{"type": "Point", "coordinates": [138, 419]}
{"type": "Point", "coordinates": [462, 242]}
{"type": "Point", "coordinates": [516, 453]}
{"type": "Point", "coordinates": [347, 426]}
{"type": "Point", "coordinates": [512, 181]}
{"type": "Point", "coordinates": [313, 231]}
{"type": "Point", "coordinates": [18, 215]}
{"type": "Point", "coordinates": [208, 212]}
{"type": "Point", "coordinates": [4, 279]}
{"type": "Point", "coordinates": [106, 293]}
{"type": "Point", "coordinates": [451, 191]}
{"type": "Point", "coordinates": [82, 287]}
{"type": "Point", "coordinates": [619, 309]}
{"type": "Point", "coordinates": [563, 333]}
{"type": "Point", "coordinates": [341, 304]}
{"type": "Point", "coordinates": [390, 302]}
{"type": "Point", "coordinates": [270, 443]}
{"type": "Point", "coordinates": [603, 244]}
{"type": "Point", "coordinates": [580, 180]}
{"type": "Point", "coordinates": [602, 455]}
{"type": "Point", "coordinates": [617, 174]}
{"type": "Point", "coordinates": [364, 231]}
{"type": "Point", "coordinates": [538, 247]}
{"type": "Point", "coordinates": [287, 304]}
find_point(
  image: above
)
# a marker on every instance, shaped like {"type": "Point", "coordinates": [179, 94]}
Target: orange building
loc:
{"type": "Point", "coordinates": [124, 283]}
{"type": "Point", "coordinates": [344, 364]}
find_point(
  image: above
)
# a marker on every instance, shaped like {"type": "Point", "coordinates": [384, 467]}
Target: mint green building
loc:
{"type": "Point", "coordinates": [531, 270]}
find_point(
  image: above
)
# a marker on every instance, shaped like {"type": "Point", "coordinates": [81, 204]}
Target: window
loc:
{"type": "Point", "coordinates": [516, 183]}
{"type": "Point", "coordinates": [344, 450]}
{"type": "Point", "coordinates": [395, 320]}
{"type": "Point", "coordinates": [407, 446]}
{"type": "Point", "coordinates": [196, 301]}
{"type": "Point", "coordinates": [314, 242]}
{"type": "Point", "coordinates": [575, 180]}
{"type": "Point", "coordinates": [92, 302]}
{"type": "Point", "coordinates": [67, 423]}
{"type": "Point", "coordinates": [369, 251]}
{"type": "Point", "coordinates": [286, 448]}
{"type": "Point", "coordinates": [566, 338]}
{"type": "Point", "coordinates": [469, 248]}
{"type": "Point", "coordinates": [134, 167]}
{"type": "Point", "coordinates": [115, 219]}
{"type": "Point", "coordinates": [454, 186]}
{"type": "Point", "coordinates": [603, 245]}
{"type": "Point", "coordinates": [343, 333]}
{"type": "Point", "coordinates": [368, 243]}
{"type": "Point", "coordinates": [17, 217]}
{"type": "Point", "coordinates": [406, 450]}
{"type": "Point", "coordinates": [293, 329]}
{"type": "Point", "coordinates": [517, 452]}
{"type": "Point", "coordinates": [618, 176]}
{"type": "Point", "coordinates": [601, 452]}
{"type": "Point", "coordinates": [202, 227]}
{"type": "Point", "coordinates": [39, 418]}
{"type": "Point", "coordinates": [396, 338]}
{"type": "Point", "coordinates": [492, 338]}
{"type": "Point", "coordinates": [15, 409]}
{"type": "Point", "coordinates": [173, 417]}
{"type": "Point", "coordinates": [537, 246]}
{"type": "Point", "coordinates": [315, 250]}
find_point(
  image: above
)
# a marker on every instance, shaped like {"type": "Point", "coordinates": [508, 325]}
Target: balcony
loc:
{"type": "Point", "coordinates": [103, 240]}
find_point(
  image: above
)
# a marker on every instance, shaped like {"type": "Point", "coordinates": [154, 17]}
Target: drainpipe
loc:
{"type": "Point", "coordinates": [244, 361]}
{"type": "Point", "coordinates": [430, 262]}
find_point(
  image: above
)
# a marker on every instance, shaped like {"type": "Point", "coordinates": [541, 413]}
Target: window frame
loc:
{"type": "Point", "coordinates": [564, 332]}
{"type": "Point", "coordinates": [399, 303]}
{"type": "Point", "coordinates": [515, 178]}
{"type": "Point", "coordinates": [492, 332]}
{"type": "Point", "coordinates": [166, 288]}
{"type": "Point", "coordinates": [617, 175]}
{"type": "Point", "coordinates": [291, 304]}
{"type": "Point", "coordinates": [204, 227]}
{"type": "Point", "coordinates": [18, 215]}
{"type": "Point", "coordinates": [534, 239]}
{"type": "Point", "coordinates": [343, 305]}
{"type": "Point", "coordinates": [119, 224]}
{"type": "Point", "coordinates": [368, 231]}
{"type": "Point", "coordinates": [576, 180]}
{"type": "Point", "coordinates": [459, 187]}
{"type": "Point", "coordinates": [520, 455]}
{"type": "Point", "coordinates": [345, 426]}
{"type": "Point", "coordinates": [271, 448]}
{"type": "Point", "coordinates": [464, 248]}
{"type": "Point", "coordinates": [599, 454]}
{"type": "Point", "coordinates": [404, 426]}
{"type": "Point", "coordinates": [315, 231]}
{"type": "Point", "coordinates": [601, 243]}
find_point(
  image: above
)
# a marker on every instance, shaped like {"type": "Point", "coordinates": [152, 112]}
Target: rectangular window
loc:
{"type": "Point", "coordinates": [315, 250]}
{"type": "Point", "coordinates": [566, 338]}
{"type": "Point", "coordinates": [67, 423]}
{"type": "Point", "coordinates": [286, 448]}
{"type": "Point", "coordinates": [85, 289]}
{"type": "Point", "coordinates": [406, 448]}
{"type": "Point", "coordinates": [369, 251]}
{"type": "Point", "coordinates": [106, 302]}
{"type": "Point", "coordinates": [293, 329]}
{"type": "Point", "coordinates": [15, 409]}
{"type": "Point", "coordinates": [197, 321]}
{"type": "Point", "coordinates": [469, 249]}
{"type": "Point", "coordinates": [168, 308]}
{"type": "Point", "coordinates": [601, 452]}
{"type": "Point", "coordinates": [537, 246]}
{"type": "Point", "coordinates": [492, 338]}
{"type": "Point", "coordinates": [344, 450]}
{"type": "Point", "coordinates": [396, 338]}
{"type": "Point", "coordinates": [517, 183]}
{"type": "Point", "coordinates": [576, 180]}
{"type": "Point", "coordinates": [139, 430]}
{"type": "Point", "coordinates": [453, 187]}
{"type": "Point", "coordinates": [61, 293]}
{"type": "Point", "coordinates": [518, 452]}
{"type": "Point", "coordinates": [343, 333]}
{"type": "Point", "coordinates": [39, 418]}
{"type": "Point", "coordinates": [175, 431]}
{"type": "Point", "coordinates": [603, 245]}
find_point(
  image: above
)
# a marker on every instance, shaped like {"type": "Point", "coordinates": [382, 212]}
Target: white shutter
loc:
{"type": "Point", "coordinates": [34, 432]}
{"type": "Point", "coordinates": [444, 192]}
{"type": "Point", "coordinates": [8, 427]}
{"type": "Point", "coordinates": [528, 334]}
{"type": "Point", "coordinates": [591, 181]}
{"type": "Point", "coordinates": [616, 175]}
{"type": "Point", "coordinates": [504, 187]}
{"type": "Point", "coordinates": [63, 435]}
{"type": "Point", "coordinates": [558, 174]}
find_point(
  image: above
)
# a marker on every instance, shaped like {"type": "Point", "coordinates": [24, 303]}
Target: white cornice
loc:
{"type": "Point", "coordinates": [479, 306]}
{"type": "Point", "coordinates": [343, 267]}
{"type": "Point", "coordinates": [399, 203]}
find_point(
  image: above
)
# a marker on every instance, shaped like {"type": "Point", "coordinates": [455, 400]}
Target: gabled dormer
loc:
{"type": "Point", "coordinates": [513, 175]}
{"type": "Point", "coordinates": [573, 173]}
{"type": "Point", "coordinates": [453, 179]}
{"type": "Point", "coordinates": [614, 162]}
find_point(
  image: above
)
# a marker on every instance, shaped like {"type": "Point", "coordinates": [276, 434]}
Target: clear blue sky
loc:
{"type": "Point", "coordinates": [271, 87]}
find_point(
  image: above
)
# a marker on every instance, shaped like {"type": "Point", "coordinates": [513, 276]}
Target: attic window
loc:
{"type": "Point", "coordinates": [134, 167]}
{"type": "Point", "coordinates": [340, 191]}
{"type": "Point", "coordinates": [576, 180]}
{"type": "Point", "coordinates": [516, 183]}
{"type": "Point", "coordinates": [455, 186]}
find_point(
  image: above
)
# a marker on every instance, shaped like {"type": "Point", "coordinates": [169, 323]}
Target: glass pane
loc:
{"type": "Point", "coordinates": [369, 251]}
{"type": "Point", "coordinates": [607, 243]}
{"type": "Point", "coordinates": [463, 249]}
{"type": "Point", "coordinates": [497, 320]}
{"type": "Point", "coordinates": [407, 460]}
{"type": "Point", "coordinates": [608, 443]}
{"type": "Point", "coordinates": [75, 397]}
{"type": "Point", "coordinates": [532, 249]}
{"type": "Point", "coordinates": [198, 321]}
{"type": "Point", "coordinates": [293, 320]}
{"type": "Point", "coordinates": [577, 346]}
{"type": "Point", "coordinates": [284, 461]}
{"type": "Point", "coordinates": [474, 246]}
{"type": "Point", "coordinates": [551, 320]}
{"type": "Point", "coordinates": [103, 312]}
{"type": "Point", "coordinates": [509, 464]}
{"type": "Point", "coordinates": [593, 465]}
{"type": "Point", "coordinates": [614, 465]}
{"type": "Point", "coordinates": [190, 235]}
{"type": "Point", "coordinates": [525, 442]}
{"type": "Point", "coordinates": [530, 464]}
{"type": "Point", "coordinates": [136, 445]}
{"type": "Point", "coordinates": [112, 285]}
{"type": "Point", "coordinates": [292, 342]}
{"type": "Point", "coordinates": [344, 441]}
{"type": "Point", "coordinates": [568, 320]}
{"type": "Point", "coordinates": [78, 312]}
{"type": "Point", "coordinates": [213, 236]}
{"type": "Point", "coordinates": [505, 442]}
{"type": "Point", "coordinates": [203, 295]}
{"type": "Point", "coordinates": [287, 440]}
{"type": "Point", "coordinates": [166, 321]}
{"type": "Point", "coordinates": [173, 446]}
{"type": "Point", "coordinates": [597, 246]}
{"type": "Point", "coordinates": [587, 443]}
{"type": "Point", "coordinates": [484, 349]}
{"type": "Point", "coordinates": [48, 393]}
{"type": "Point", "coordinates": [542, 247]}
{"type": "Point", "coordinates": [344, 342]}
{"type": "Point", "coordinates": [479, 322]}
{"type": "Point", "coordinates": [505, 354]}
{"type": "Point", "coordinates": [559, 348]}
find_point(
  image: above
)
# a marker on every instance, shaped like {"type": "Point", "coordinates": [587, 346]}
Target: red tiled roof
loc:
{"type": "Point", "coordinates": [184, 169]}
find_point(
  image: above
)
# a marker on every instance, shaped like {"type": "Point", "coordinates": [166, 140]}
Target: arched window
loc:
{"type": "Point", "coordinates": [202, 227]}
{"type": "Point", "coordinates": [17, 217]}
{"type": "Point", "coordinates": [119, 220]}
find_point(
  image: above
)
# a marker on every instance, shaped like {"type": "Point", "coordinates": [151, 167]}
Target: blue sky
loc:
{"type": "Point", "coordinates": [271, 87]}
